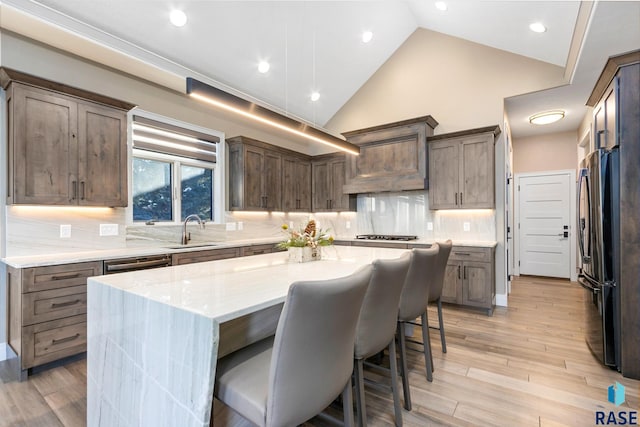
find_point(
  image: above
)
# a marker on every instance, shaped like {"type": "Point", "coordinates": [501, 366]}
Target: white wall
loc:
{"type": "Point", "coordinates": [553, 151]}
{"type": "Point", "coordinates": [462, 85]}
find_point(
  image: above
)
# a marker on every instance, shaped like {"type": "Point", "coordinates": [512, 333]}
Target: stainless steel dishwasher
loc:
{"type": "Point", "coordinates": [123, 265]}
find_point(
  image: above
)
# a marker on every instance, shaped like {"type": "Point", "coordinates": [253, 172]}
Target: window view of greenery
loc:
{"type": "Point", "coordinates": [152, 190]}
{"type": "Point", "coordinates": [197, 191]}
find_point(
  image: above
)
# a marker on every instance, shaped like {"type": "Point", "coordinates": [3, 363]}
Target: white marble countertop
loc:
{"type": "Point", "coordinates": [423, 241]}
{"type": "Point", "coordinates": [99, 255]}
{"type": "Point", "coordinates": [226, 289]}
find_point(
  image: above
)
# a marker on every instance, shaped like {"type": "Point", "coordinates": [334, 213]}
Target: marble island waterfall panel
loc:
{"type": "Point", "coordinates": [146, 361]}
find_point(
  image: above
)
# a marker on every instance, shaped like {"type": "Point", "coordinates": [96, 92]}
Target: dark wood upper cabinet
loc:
{"type": "Point", "coordinates": [328, 182]}
{"type": "Point", "coordinates": [393, 157]}
{"type": "Point", "coordinates": [461, 169]}
{"type": "Point", "coordinates": [296, 184]}
{"type": "Point", "coordinates": [255, 174]}
{"type": "Point", "coordinates": [62, 149]}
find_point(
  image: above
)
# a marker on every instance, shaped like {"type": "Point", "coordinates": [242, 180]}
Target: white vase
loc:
{"type": "Point", "coordinates": [304, 254]}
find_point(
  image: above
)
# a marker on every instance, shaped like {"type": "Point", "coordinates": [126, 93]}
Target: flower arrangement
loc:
{"type": "Point", "coordinates": [308, 236]}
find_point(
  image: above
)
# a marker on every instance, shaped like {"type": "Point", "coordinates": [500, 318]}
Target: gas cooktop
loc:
{"type": "Point", "coordinates": [385, 237]}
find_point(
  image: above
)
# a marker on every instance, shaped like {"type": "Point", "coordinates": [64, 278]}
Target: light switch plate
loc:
{"type": "Point", "coordinates": [231, 226]}
{"type": "Point", "coordinates": [429, 226]}
{"type": "Point", "coordinates": [466, 226]}
{"type": "Point", "coordinates": [65, 231]}
{"type": "Point", "coordinates": [108, 229]}
{"type": "Point", "coordinates": [290, 224]}
{"type": "Point", "coordinates": [348, 225]}
{"type": "Point", "coordinates": [240, 225]}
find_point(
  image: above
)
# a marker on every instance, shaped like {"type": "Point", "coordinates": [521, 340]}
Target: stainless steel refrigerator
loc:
{"type": "Point", "coordinates": [599, 234]}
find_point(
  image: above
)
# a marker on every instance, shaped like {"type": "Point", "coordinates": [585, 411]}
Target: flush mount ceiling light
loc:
{"type": "Point", "coordinates": [263, 67]}
{"type": "Point", "coordinates": [367, 36]}
{"type": "Point", "coordinates": [440, 5]}
{"type": "Point", "coordinates": [537, 27]}
{"type": "Point", "coordinates": [315, 96]}
{"type": "Point", "coordinates": [226, 101]}
{"type": "Point", "coordinates": [546, 117]}
{"type": "Point", "coordinates": [178, 18]}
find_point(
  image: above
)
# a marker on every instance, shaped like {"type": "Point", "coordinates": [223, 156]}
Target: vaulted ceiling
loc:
{"type": "Point", "coordinates": [317, 46]}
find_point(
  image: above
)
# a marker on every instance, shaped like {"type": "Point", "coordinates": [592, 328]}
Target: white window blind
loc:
{"type": "Point", "coordinates": [152, 135]}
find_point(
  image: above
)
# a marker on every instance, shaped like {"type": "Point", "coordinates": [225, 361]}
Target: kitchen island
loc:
{"type": "Point", "coordinates": [154, 336]}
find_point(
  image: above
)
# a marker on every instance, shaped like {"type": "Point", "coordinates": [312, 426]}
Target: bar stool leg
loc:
{"type": "Point", "coordinates": [403, 366]}
{"type": "Point", "coordinates": [441, 323]}
{"type": "Point", "coordinates": [428, 361]}
{"type": "Point", "coordinates": [361, 410]}
{"type": "Point", "coordinates": [394, 383]}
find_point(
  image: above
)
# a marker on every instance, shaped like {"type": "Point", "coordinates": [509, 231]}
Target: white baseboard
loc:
{"type": "Point", "coordinates": [501, 300]}
{"type": "Point", "coordinates": [3, 351]}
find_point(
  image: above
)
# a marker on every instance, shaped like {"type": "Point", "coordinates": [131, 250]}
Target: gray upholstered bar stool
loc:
{"type": "Point", "coordinates": [435, 290]}
{"type": "Point", "coordinates": [435, 295]}
{"type": "Point", "coordinates": [413, 304]}
{"type": "Point", "coordinates": [377, 325]}
{"type": "Point", "coordinates": [285, 380]}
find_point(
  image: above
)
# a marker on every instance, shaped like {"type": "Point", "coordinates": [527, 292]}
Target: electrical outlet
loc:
{"type": "Point", "coordinates": [231, 226]}
{"type": "Point", "coordinates": [290, 224]}
{"type": "Point", "coordinates": [348, 225]}
{"type": "Point", "coordinates": [108, 229]}
{"type": "Point", "coordinates": [65, 231]}
{"type": "Point", "coordinates": [240, 225]}
{"type": "Point", "coordinates": [466, 226]}
{"type": "Point", "coordinates": [429, 226]}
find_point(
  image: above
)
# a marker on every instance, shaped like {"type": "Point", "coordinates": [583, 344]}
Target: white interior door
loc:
{"type": "Point", "coordinates": [544, 221]}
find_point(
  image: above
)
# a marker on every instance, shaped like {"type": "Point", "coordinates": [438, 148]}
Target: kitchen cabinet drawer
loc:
{"type": "Point", "coordinates": [49, 341]}
{"type": "Point", "coordinates": [257, 249]}
{"type": "Point", "coordinates": [203, 256]}
{"type": "Point", "coordinates": [59, 276]}
{"type": "Point", "coordinates": [54, 304]}
{"type": "Point", "coordinates": [470, 254]}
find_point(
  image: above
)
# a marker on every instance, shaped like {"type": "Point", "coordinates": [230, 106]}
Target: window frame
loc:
{"type": "Point", "coordinates": [218, 171]}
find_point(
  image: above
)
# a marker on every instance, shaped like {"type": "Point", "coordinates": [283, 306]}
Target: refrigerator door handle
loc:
{"type": "Point", "coordinates": [583, 177]}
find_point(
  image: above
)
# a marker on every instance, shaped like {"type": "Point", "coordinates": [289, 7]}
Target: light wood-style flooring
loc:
{"type": "Point", "coordinates": [527, 365]}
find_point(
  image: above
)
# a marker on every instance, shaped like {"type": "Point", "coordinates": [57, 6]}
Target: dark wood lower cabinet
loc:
{"type": "Point", "coordinates": [470, 278]}
{"type": "Point", "coordinates": [47, 318]}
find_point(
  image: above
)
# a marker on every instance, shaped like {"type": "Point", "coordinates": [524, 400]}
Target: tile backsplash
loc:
{"type": "Point", "coordinates": [408, 212]}
{"type": "Point", "coordinates": [36, 230]}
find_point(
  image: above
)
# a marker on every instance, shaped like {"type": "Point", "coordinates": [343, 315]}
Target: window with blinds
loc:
{"type": "Point", "coordinates": [173, 172]}
{"type": "Point", "coordinates": [164, 138]}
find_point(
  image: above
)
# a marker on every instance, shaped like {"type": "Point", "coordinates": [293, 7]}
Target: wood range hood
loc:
{"type": "Point", "coordinates": [393, 157]}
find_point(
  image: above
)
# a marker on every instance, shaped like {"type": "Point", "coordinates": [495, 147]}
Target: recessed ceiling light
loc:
{"type": "Point", "coordinates": [315, 96]}
{"type": "Point", "coordinates": [367, 36]}
{"type": "Point", "coordinates": [440, 5]}
{"type": "Point", "coordinates": [178, 18]}
{"type": "Point", "coordinates": [263, 66]}
{"type": "Point", "coordinates": [537, 27]}
{"type": "Point", "coordinates": [546, 117]}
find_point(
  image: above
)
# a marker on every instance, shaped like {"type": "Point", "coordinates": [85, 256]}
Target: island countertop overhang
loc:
{"type": "Point", "coordinates": [227, 289]}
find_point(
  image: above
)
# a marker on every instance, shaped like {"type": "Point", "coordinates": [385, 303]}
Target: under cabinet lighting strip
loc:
{"type": "Point", "coordinates": [237, 105]}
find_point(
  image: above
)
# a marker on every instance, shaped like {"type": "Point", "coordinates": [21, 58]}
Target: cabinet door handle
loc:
{"type": "Point", "coordinates": [461, 199]}
{"type": "Point", "coordinates": [81, 190]}
{"type": "Point", "coordinates": [456, 199]}
{"type": "Point", "coordinates": [64, 304]}
{"type": "Point", "coordinates": [63, 340]}
{"type": "Point", "coordinates": [66, 276]}
{"type": "Point", "coordinates": [459, 272]}
{"type": "Point", "coordinates": [465, 272]}
{"type": "Point", "coordinates": [74, 190]}
{"type": "Point", "coordinates": [327, 203]}
{"type": "Point", "coordinates": [463, 253]}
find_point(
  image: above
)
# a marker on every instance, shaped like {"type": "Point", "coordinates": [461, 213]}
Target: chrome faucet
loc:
{"type": "Point", "coordinates": [187, 236]}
